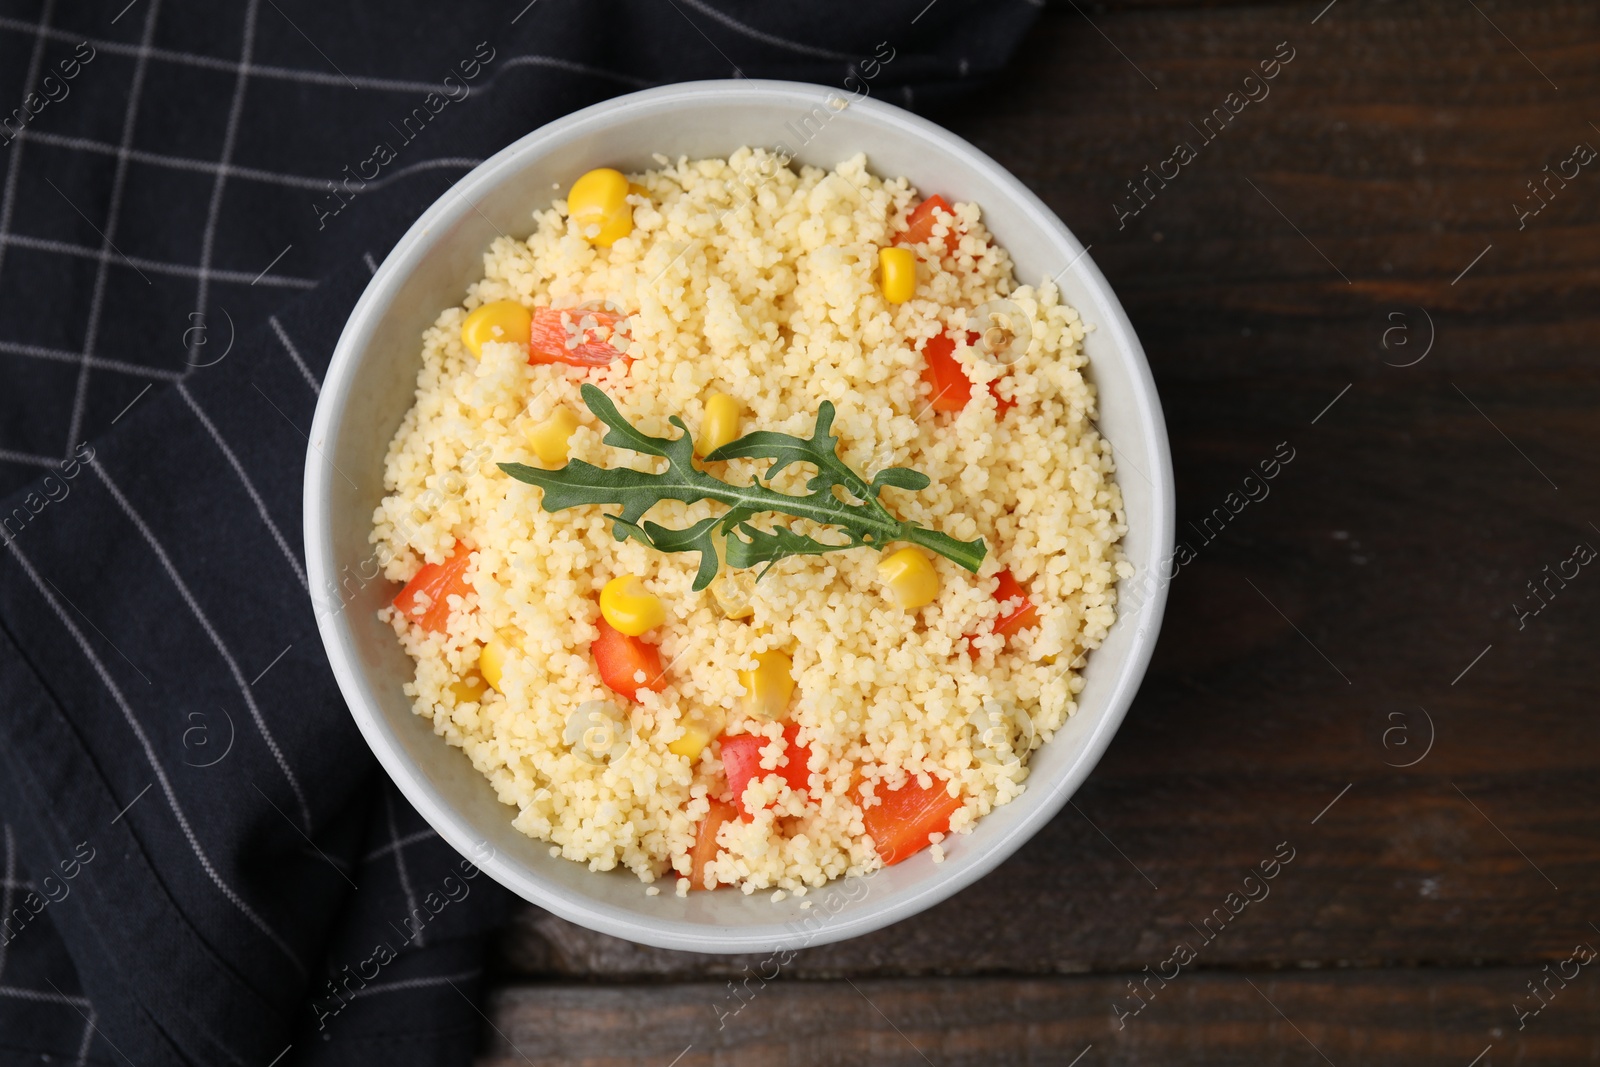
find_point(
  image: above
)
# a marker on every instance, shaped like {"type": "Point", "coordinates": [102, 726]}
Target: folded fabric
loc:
{"type": "Point", "coordinates": [202, 863]}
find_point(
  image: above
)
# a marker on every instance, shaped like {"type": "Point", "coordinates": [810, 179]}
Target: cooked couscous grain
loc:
{"type": "Point", "coordinates": [752, 279]}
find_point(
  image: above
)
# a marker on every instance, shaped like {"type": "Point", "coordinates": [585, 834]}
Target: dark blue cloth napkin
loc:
{"type": "Point", "coordinates": [202, 863]}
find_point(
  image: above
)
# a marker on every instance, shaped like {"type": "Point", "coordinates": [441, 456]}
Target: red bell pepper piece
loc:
{"type": "Point", "coordinates": [741, 760]}
{"type": "Point", "coordinates": [435, 581]}
{"type": "Point", "coordinates": [952, 389]}
{"type": "Point", "coordinates": [1001, 404]}
{"type": "Point", "coordinates": [581, 337]}
{"type": "Point", "coordinates": [1021, 616]}
{"type": "Point", "coordinates": [705, 841]}
{"type": "Point", "coordinates": [620, 658]}
{"type": "Point", "coordinates": [919, 225]}
{"type": "Point", "coordinates": [944, 373]}
{"type": "Point", "coordinates": [902, 820]}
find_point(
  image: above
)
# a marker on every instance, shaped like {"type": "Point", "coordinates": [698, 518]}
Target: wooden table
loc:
{"type": "Point", "coordinates": [1341, 268]}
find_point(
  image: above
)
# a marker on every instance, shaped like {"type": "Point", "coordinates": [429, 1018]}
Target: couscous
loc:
{"type": "Point", "coordinates": [753, 523]}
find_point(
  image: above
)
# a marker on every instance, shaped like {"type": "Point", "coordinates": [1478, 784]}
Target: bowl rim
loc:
{"type": "Point", "coordinates": [455, 828]}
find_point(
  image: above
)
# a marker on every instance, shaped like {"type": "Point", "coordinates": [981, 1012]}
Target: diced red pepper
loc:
{"type": "Point", "coordinates": [705, 841]}
{"type": "Point", "coordinates": [580, 337]}
{"type": "Point", "coordinates": [919, 225]}
{"type": "Point", "coordinates": [902, 820]}
{"type": "Point", "coordinates": [1011, 620]}
{"type": "Point", "coordinates": [435, 581]}
{"type": "Point", "coordinates": [944, 373]}
{"type": "Point", "coordinates": [952, 389]}
{"type": "Point", "coordinates": [620, 658]}
{"type": "Point", "coordinates": [1021, 617]}
{"type": "Point", "coordinates": [741, 761]}
{"type": "Point", "coordinates": [1001, 404]}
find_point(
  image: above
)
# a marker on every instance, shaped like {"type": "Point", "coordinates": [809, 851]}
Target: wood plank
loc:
{"type": "Point", "coordinates": [1416, 1018]}
{"type": "Point", "coordinates": [1393, 873]}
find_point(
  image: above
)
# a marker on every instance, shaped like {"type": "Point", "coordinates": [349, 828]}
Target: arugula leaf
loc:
{"type": "Point", "coordinates": [864, 521]}
{"type": "Point", "coordinates": [901, 478]}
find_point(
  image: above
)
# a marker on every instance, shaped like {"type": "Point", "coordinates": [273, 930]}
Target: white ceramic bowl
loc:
{"type": "Point", "coordinates": [369, 388]}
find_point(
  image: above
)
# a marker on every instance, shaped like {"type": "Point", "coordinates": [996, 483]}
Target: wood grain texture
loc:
{"type": "Point", "coordinates": [1312, 640]}
{"type": "Point", "coordinates": [1418, 1018]}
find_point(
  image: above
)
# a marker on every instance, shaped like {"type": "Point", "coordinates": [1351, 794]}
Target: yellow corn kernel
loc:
{"type": "Point", "coordinates": [631, 608]}
{"type": "Point", "coordinates": [909, 578]}
{"type": "Point", "coordinates": [469, 687]}
{"type": "Point", "coordinates": [502, 320]}
{"type": "Point", "coordinates": [692, 743]}
{"type": "Point", "coordinates": [698, 731]}
{"type": "Point", "coordinates": [720, 423]}
{"type": "Point", "coordinates": [549, 438]}
{"type": "Point", "coordinates": [694, 740]}
{"type": "Point", "coordinates": [767, 689]}
{"type": "Point", "coordinates": [598, 203]}
{"type": "Point", "coordinates": [492, 657]}
{"type": "Point", "coordinates": [897, 269]}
